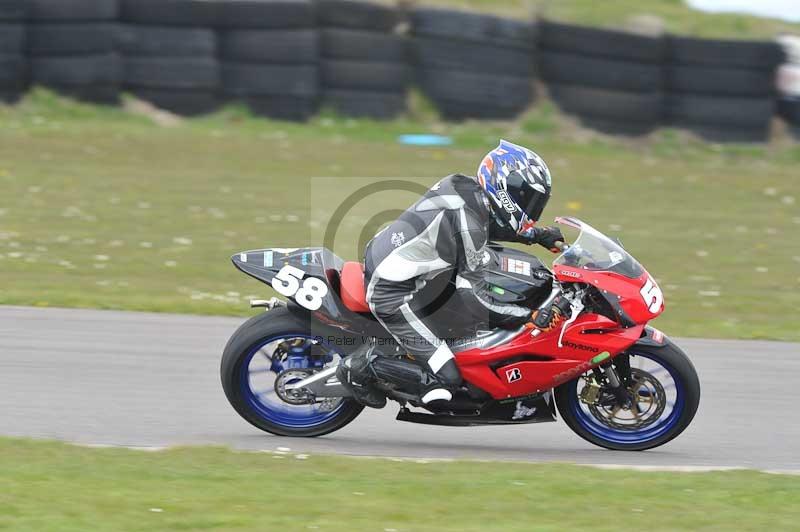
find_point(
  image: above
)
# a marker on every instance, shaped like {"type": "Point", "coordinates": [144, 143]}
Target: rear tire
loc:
{"type": "Point", "coordinates": [679, 367]}
{"type": "Point", "coordinates": [253, 333]}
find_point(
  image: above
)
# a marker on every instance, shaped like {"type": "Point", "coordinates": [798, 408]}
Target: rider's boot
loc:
{"type": "Point", "coordinates": [355, 374]}
{"type": "Point", "coordinates": [413, 378]}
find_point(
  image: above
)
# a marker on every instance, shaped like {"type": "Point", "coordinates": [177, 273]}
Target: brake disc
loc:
{"type": "Point", "coordinates": [295, 396]}
{"type": "Point", "coordinates": [645, 409]}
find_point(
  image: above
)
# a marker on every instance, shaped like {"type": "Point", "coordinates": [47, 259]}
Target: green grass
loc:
{"type": "Point", "coordinates": [100, 208]}
{"type": "Point", "coordinates": [673, 16]}
{"type": "Point", "coordinates": [56, 487]}
{"type": "Point", "coordinates": [677, 17]}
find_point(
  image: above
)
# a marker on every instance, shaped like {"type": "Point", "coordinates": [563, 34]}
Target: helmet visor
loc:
{"type": "Point", "coordinates": [530, 200]}
{"type": "Point", "coordinates": [536, 205]}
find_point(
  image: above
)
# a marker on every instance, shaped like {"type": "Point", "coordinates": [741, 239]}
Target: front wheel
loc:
{"type": "Point", "coordinates": [265, 354]}
{"type": "Point", "coordinates": [662, 395]}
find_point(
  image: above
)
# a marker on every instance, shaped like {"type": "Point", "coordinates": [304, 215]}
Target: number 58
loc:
{"type": "Point", "coordinates": [287, 282]}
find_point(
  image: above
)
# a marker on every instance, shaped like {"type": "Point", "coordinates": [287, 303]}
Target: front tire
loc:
{"type": "Point", "coordinates": [252, 340]}
{"type": "Point", "coordinates": [676, 384]}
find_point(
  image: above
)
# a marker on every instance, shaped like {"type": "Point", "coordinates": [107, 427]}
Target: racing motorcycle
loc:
{"type": "Point", "coordinates": [614, 380]}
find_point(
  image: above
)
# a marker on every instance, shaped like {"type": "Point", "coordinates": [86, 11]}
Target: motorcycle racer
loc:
{"type": "Point", "coordinates": [447, 230]}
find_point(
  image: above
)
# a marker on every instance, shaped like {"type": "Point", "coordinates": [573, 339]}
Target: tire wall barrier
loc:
{"type": "Point", "coordinates": [473, 65]}
{"type": "Point", "coordinates": [71, 47]}
{"type": "Point", "coordinates": [286, 58]}
{"type": "Point", "coordinates": [169, 50]}
{"type": "Point", "coordinates": [269, 53]}
{"type": "Point", "coordinates": [363, 65]}
{"type": "Point", "coordinates": [722, 90]}
{"type": "Point", "coordinates": [14, 66]}
{"type": "Point", "coordinates": [612, 81]}
{"type": "Point", "coordinates": [788, 82]}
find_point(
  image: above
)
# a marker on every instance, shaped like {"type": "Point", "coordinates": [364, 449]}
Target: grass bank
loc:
{"type": "Point", "coordinates": [675, 15]}
{"type": "Point", "coordinates": [101, 208]}
{"type": "Point", "coordinates": [52, 486]}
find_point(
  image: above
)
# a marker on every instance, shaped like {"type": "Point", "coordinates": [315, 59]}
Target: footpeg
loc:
{"type": "Point", "coordinates": [268, 304]}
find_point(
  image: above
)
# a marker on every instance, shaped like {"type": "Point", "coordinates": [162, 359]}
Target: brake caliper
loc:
{"type": "Point", "coordinates": [591, 392]}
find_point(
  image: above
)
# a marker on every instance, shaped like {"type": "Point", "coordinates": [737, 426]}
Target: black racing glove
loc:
{"type": "Point", "coordinates": [546, 237]}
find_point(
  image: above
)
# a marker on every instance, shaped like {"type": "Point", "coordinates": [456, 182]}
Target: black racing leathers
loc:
{"type": "Point", "coordinates": [447, 229]}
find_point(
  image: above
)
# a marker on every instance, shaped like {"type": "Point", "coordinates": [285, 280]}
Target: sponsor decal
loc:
{"type": "Point", "coordinates": [309, 257]}
{"type": "Point", "coordinates": [581, 368]}
{"type": "Point", "coordinates": [521, 411]}
{"type": "Point", "coordinates": [570, 273]}
{"type": "Point", "coordinates": [506, 200]}
{"type": "Point", "coordinates": [516, 266]}
{"type": "Point", "coordinates": [268, 259]}
{"type": "Point", "coordinates": [513, 375]}
{"type": "Point", "coordinates": [474, 257]}
{"type": "Point", "coordinates": [658, 336]}
{"type": "Point", "coordinates": [398, 239]}
{"type": "Point", "coordinates": [570, 373]}
{"type": "Point", "coordinates": [615, 257]}
{"type": "Point", "coordinates": [522, 398]}
{"type": "Point", "coordinates": [580, 347]}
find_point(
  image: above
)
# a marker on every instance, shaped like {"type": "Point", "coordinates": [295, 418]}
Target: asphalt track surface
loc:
{"type": "Point", "coordinates": [137, 379]}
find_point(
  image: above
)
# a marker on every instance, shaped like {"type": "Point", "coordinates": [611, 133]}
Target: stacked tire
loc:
{"type": "Point", "coordinates": [473, 65]}
{"type": "Point", "coordinates": [269, 56]}
{"type": "Point", "coordinates": [13, 63]}
{"type": "Point", "coordinates": [788, 84]}
{"type": "Point", "coordinates": [363, 67]}
{"type": "Point", "coordinates": [170, 53]}
{"type": "Point", "coordinates": [71, 44]}
{"type": "Point", "coordinates": [611, 80]}
{"type": "Point", "coordinates": [789, 110]}
{"type": "Point", "coordinates": [724, 91]}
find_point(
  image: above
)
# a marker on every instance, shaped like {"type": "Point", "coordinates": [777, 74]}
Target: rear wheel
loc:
{"type": "Point", "coordinates": [662, 395]}
{"type": "Point", "coordinates": [264, 355]}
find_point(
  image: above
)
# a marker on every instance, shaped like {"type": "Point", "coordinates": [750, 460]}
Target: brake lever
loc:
{"type": "Point", "coordinates": [577, 308]}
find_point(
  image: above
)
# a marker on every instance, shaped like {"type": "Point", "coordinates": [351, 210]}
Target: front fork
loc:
{"type": "Point", "coordinates": [617, 385]}
{"type": "Point", "coordinates": [616, 374]}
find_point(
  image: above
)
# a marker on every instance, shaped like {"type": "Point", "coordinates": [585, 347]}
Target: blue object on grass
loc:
{"type": "Point", "coordinates": [425, 140]}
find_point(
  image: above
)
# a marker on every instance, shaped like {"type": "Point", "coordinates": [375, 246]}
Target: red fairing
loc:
{"type": "Point", "coordinates": [541, 363]}
{"type": "Point", "coordinates": [640, 298]}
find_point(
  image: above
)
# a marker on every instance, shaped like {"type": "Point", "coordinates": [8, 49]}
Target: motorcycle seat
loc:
{"type": "Point", "coordinates": [352, 290]}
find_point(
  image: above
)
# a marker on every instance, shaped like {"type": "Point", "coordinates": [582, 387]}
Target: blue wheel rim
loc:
{"type": "Point", "coordinates": [254, 376]}
{"type": "Point", "coordinates": [666, 421]}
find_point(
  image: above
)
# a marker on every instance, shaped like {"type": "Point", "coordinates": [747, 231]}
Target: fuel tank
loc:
{"type": "Point", "coordinates": [517, 277]}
